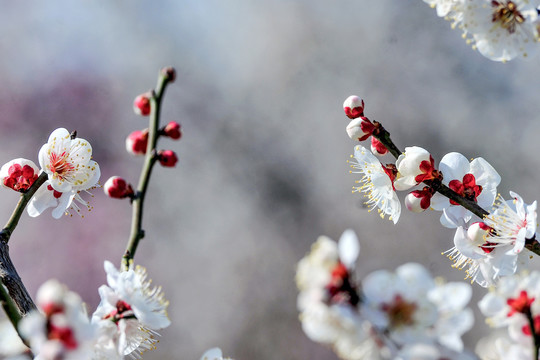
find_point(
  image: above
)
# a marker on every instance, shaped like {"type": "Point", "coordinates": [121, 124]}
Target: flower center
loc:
{"type": "Point", "coordinates": [400, 312]}
{"type": "Point", "coordinates": [507, 15]}
{"type": "Point", "coordinates": [123, 311]}
{"type": "Point", "coordinates": [466, 188]}
{"type": "Point", "coordinates": [521, 304]}
{"type": "Point", "coordinates": [59, 164]}
{"type": "Point", "coordinates": [63, 334]}
{"type": "Point", "coordinates": [340, 289]}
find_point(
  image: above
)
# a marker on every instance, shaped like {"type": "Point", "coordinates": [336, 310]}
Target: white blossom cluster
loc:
{"type": "Point", "coordinates": [486, 248]}
{"type": "Point", "coordinates": [397, 315]}
{"type": "Point", "coordinates": [124, 323]}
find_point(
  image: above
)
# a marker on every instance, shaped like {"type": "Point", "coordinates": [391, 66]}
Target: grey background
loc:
{"type": "Point", "coordinates": [262, 165]}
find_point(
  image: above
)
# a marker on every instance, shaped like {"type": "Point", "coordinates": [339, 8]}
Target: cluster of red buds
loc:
{"type": "Point", "coordinates": [143, 142]}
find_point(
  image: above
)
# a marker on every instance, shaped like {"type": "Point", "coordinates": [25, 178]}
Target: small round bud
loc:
{"type": "Point", "coordinates": [173, 130]}
{"type": "Point", "coordinates": [418, 200]}
{"type": "Point", "coordinates": [377, 147]}
{"type": "Point", "coordinates": [353, 107]}
{"type": "Point", "coordinates": [169, 72]}
{"type": "Point", "coordinates": [117, 188]}
{"type": "Point", "coordinates": [167, 158]}
{"type": "Point", "coordinates": [19, 174]}
{"type": "Point", "coordinates": [414, 165]}
{"type": "Point", "coordinates": [137, 142]}
{"type": "Point", "coordinates": [360, 129]}
{"type": "Point", "coordinates": [141, 104]}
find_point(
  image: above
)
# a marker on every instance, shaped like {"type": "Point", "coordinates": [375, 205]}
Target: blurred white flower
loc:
{"type": "Point", "coordinates": [62, 329]}
{"type": "Point", "coordinates": [476, 181]}
{"type": "Point", "coordinates": [328, 299]}
{"type": "Point", "coordinates": [129, 313]}
{"type": "Point", "coordinates": [68, 162]}
{"type": "Point", "coordinates": [377, 183]}
{"type": "Point", "coordinates": [214, 354]}
{"type": "Point", "coordinates": [10, 342]}
{"type": "Point", "coordinates": [411, 307]}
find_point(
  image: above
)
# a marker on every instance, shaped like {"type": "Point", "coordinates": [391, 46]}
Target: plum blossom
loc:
{"type": "Point", "coordinates": [500, 30]}
{"type": "Point", "coordinates": [513, 222]}
{"type": "Point", "coordinates": [414, 166]}
{"type": "Point", "coordinates": [411, 307]}
{"type": "Point", "coordinates": [377, 183]}
{"type": "Point", "coordinates": [360, 129]}
{"type": "Point", "coordinates": [504, 29]}
{"type": "Point", "coordinates": [328, 299]}
{"type": "Point", "coordinates": [509, 304]}
{"type": "Point", "coordinates": [62, 328]}
{"type": "Point", "coordinates": [353, 107]}
{"type": "Point", "coordinates": [129, 313]}
{"type": "Point", "coordinates": [476, 181]}
{"type": "Point", "coordinates": [68, 162]}
{"type": "Point", "coordinates": [19, 174]}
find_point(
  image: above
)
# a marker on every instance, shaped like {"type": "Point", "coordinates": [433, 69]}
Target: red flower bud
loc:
{"type": "Point", "coordinates": [353, 107]}
{"type": "Point", "coordinates": [169, 72]}
{"type": "Point", "coordinates": [19, 174]}
{"type": "Point", "coordinates": [137, 142]}
{"type": "Point", "coordinates": [167, 158]}
{"type": "Point", "coordinates": [172, 130]}
{"type": "Point", "coordinates": [141, 104]}
{"type": "Point", "coordinates": [117, 188]}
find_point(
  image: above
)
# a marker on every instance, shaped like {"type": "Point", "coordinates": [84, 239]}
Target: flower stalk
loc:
{"type": "Point", "coordinates": [137, 232]}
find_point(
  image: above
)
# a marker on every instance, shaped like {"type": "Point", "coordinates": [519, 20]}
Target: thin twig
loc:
{"type": "Point", "coordinates": [137, 232]}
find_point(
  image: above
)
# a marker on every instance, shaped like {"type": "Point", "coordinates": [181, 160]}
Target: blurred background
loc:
{"type": "Point", "coordinates": [262, 164]}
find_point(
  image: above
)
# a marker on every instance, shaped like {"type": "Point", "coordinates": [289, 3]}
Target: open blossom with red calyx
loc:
{"type": "Point", "coordinates": [377, 183]}
{"type": "Point", "coordinates": [68, 162]}
{"type": "Point", "coordinates": [137, 142]}
{"type": "Point", "coordinates": [511, 302]}
{"type": "Point", "coordinates": [129, 313]}
{"type": "Point", "coordinates": [167, 158]}
{"type": "Point", "coordinates": [142, 105]}
{"type": "Point", "coordinates": [411, 307]}
{"type": "Point", "coordinates": [172, 130]}
{"type": "Point", "coordinates": [353, 107]}
{"type": "Point", "coordinates": [19, 174]}
{"type": "Point", "coordinates": [476, 180]}
{"type": "Point", "coordinates": [419, 200]}
{"type": "Point", "coordinates": [377, 147]}
{"type": "Point", "coordinates": [117, 188]}
{"type": "Point", "coordinates": [328, 302]}
{"type": "Point", "coordinates": [414, 166]}
{"type": "Point", "coordinates": [484, 260]}
{"type": "Point", "coordinates": [62, 329]}
{"type": "Point", "coordinates": [513, 223]}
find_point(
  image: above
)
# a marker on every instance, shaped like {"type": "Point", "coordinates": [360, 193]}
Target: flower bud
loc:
{"type": "Point", "coordinates": [19, 174]}
{"type": "Point", "coordinates": [141, 104]}
{"type": "Point", "coordinates": [137, 142]}
{"type": "Point", "coordinates": [169, 72]}
{"type": "Point", "coordinates": [377, 147]}
{"type": "Point", "coordinates": [167, 158]}
{"type": "Point", "coordinates": [360, 129]}
{"type": "Point", "coordinates": [353, 107]}
{"type": "Point", "coordinates": [117, 188]}
{"type": "Point", "coordinates": [414, 166]}
{"type": "Point", "coordinates": [172, 130]}
{"type": "Point", "coordinates": [419, 200]}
